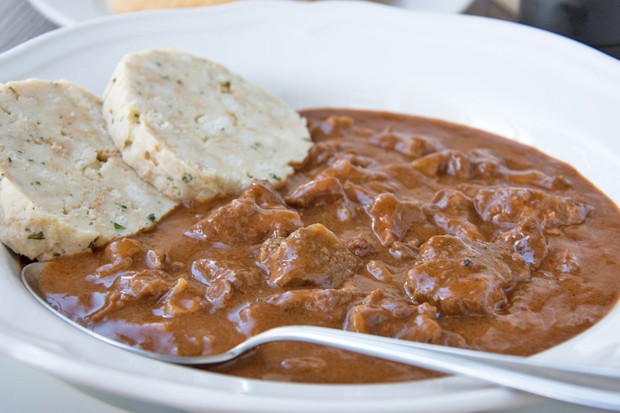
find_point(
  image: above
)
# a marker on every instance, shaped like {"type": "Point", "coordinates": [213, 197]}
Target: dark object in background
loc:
{"type": "Point", "coordinates": [594, 22]}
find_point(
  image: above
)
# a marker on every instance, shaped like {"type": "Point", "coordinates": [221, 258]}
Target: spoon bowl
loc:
{"type": "Point", "coordinates": [590, 386]}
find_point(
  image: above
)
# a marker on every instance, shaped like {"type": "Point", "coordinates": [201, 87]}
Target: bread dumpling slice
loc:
{"type": "Point", "coordinates": [63, 185]}
{"type": "Point", "coordinates": [195, 130]}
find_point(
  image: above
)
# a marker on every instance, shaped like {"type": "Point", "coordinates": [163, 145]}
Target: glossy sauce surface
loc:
{"type": "Point", "coordinates": [394, 225]}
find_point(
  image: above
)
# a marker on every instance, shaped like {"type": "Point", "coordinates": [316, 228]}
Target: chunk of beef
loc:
{"type": "Point", "coordinates": [180, 299]}
{"type": "Point", "coordinates": [219, 293]}
{"type": "Point", "coordinates": [124, 253]}
{"type": "Point", "coordinates": [406, 176]}
{"type": "Point", "coordinates": [124, 248]}
{"type": "Point", "coordinates": [209, 271]}
{"type": "Point", "coordinates": [256, 215]}
{"type": "Point", "coordinates": [362, 245]}
{"type": "Point", "coordinates": [155, 259]}
{"type": "Point", "coordinates": [345, 170]}
{"type": "Point", "coordinates": [528, 241]}
{"type": "Point", "coordinates": [454, 212]}
{"type": "Point", "coordinates": [457, 226]}
{"type": "Point", "coordinates": [316, 300]}
{"type": "Point", "coordinates": [455, 203]}
{"type": "Point", "coordinates": [399, 250]}
{"type": "Point", "coordinates": [392, 219]}
{"type": "Point", "coordinates": [481, 164]}
{"type": "Point", "coordinates": [453, 163]}
{"type": "Point", "coordinates": [463, 278]}
{"type": "Point", "coordinates": [358, 193]}
{"type": "Point", "coordinates": [355, 159]}
{"type": "Point", "coordinates": [262, 194]}
{"type": "Point", "coordinates": [385, 313]}
{"type": "Point", "coordinates": [324, 307]}
{"type": "Point", "coordinates": [414, 146]}
{"type": "Point", "coordinates": [327, 153]}
{"type": "Point", "coordinates": [316, 192]}
{"type": "Point", "coordinates": [508, 207]}
{"type": "Point", "coordinates": [144, 285]}
{"type": "Point", "coordinates": [379, 271]}
{"type": "Point", "coordinates": [223, 278]}
{"type": "Point", "coordinates": [311, 257]}
{"type": "Point", "coordinates": [534, 177]}
{"type": "Point", "coordinates": [268, 247]}
{"type": "Point", "coordinates": [330, 128]}
{"type": "Point", "coordinates": [321, 153]}
{"type": "Point", "coordinates": [176, 296]}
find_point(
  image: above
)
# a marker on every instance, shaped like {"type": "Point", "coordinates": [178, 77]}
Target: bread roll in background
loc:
{"type": "Point", "coordinates": [124, 6]}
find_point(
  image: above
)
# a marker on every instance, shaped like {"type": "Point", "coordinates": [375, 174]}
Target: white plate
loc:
{"type": "Point", "coordinates": [526, 84]}
{"type": "Point", "coordinates": [66, 12]}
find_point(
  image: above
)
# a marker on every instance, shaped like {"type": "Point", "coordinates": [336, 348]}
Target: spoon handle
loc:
{"type": "Point", "coordinates": [583, 385]}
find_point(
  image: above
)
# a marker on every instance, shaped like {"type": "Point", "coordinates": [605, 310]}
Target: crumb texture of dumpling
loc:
{"type": "Point", "coordinates": [63, 185]}
{"type": "Point", "coordinates": [195, 130]}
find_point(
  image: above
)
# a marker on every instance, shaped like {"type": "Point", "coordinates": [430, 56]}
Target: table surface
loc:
{"type": "Point", "coordinates": [18, 382]}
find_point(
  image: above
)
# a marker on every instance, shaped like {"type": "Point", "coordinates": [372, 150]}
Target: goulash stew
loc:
{"type": "Point", "coordinates": [394, 225]}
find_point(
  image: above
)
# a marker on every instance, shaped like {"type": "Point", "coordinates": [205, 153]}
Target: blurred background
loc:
{"type": "Point", "coordinates": [593, 22]}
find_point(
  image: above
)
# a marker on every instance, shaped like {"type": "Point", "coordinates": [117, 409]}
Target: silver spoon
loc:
{"type": "Point", "coordinates": [578, 384]}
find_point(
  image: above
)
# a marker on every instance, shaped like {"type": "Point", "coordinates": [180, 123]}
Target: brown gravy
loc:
{"type": "Point", "coordinates": [395, 225]}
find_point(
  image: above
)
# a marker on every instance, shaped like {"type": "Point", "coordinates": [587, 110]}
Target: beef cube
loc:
{"type": "Point", "coordinates": [392, 219]}
{"type": "Point", "coordinates": [331, 128]}
{"type": "Point", "coordinates": [256, 215]}
{"type": "Point", "coordinates": [464, 278]}
{"type": "Point", "coordinates": [481, 164]}
{"type": "Point", "coordinates": [455, 203]}
{"type": "Point", "coordinates": [405, 175]}
{"type": "Point", "coordinates": [358, 194]}
{"type": "Point", "coordinates": [379, 271]}
{"type": "Point", "coordinates": [528, 241]}
{"type": "Point", "coordinates": [121, 254]}
{"type": "Point", "coordinates": [180, 299]}
{"type": "Point", "coordinates": [325, 307]}
{"type": "Point", "coordinates": [176, 296]}
{"type": "Point", "coordinates": [208, 271]}
{"type": "Point", "coordinates": [535, 178]}
{"type": "Point", "coordinates": [399, 250]}
{"type": "Point", "coordinates": [345, 170]}
{"type": "Point", "coordinates": [454, 212]}
{"type": "Point", "coordinates": [144, 285]}
{"type": "Point", "coordinates": [414, 146]}
{"type": "Point", "coordinates": [362, 245]}
{"type": "Point", "coordinates": [385, 313]}
{"type": "Point", "coordinates": [310, 257]}
{"type": "Point", "coordinates": [318, 191]}
{"type": "Point", "coordinates": [223, 278]}
{"type": "Point", "coordinates": [477, 164]}
{"type": "Point", "coordinates": [263, 194]}
{"type": "Point", "coordinates": [508, 207]}
{"type": "Point", "coordinates": [457, 226]}
{"type": "Point", "coordinates": [321, 153]}
{"type": "Point", "coordinates": [447, 162]}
